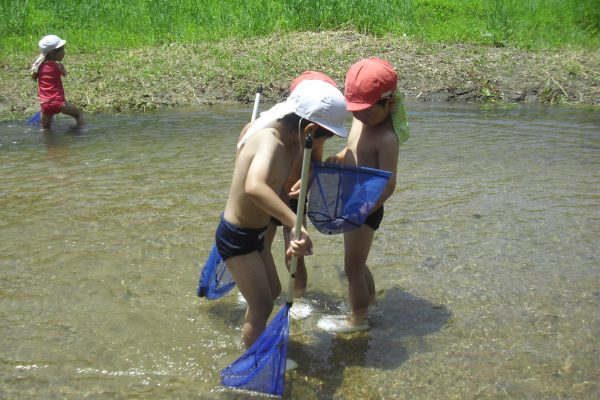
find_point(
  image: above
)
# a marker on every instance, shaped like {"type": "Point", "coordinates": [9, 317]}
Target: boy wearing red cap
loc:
{"type": "Point", "coordinates": [378, 127]}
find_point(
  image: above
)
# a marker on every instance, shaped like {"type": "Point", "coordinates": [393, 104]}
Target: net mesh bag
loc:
{"type": "Point", "coordinates": [262, 367]}
{"type": "Point", "coordinates": [215, 279]}
{"type": "Point", "coordinates": [342, 197]}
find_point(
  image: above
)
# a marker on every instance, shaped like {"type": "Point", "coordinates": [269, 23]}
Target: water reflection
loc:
{"type": "Point", "coordinates": [57, 149]}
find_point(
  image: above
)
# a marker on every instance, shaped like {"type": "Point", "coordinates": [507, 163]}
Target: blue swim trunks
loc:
{"type": "Point", "coordinates": [233, 240]}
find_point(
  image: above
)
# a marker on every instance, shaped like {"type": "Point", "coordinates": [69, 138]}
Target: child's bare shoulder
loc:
{"type": "Point", "coordinates": [386, 143]}
{"type": "Point", "coordinates": [263, 138]}
{"type": "Point", "coordinates": [383, 134]}
{"type": "Point", "coordinates": [264, 144]}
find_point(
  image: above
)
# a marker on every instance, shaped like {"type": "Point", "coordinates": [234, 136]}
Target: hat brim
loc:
{"type": "Point", "coordinates": [352, 107]}
{"type": "Point", "coordinates": [338, 131]}
{"type": "Point", "coordinates": [58, 46]}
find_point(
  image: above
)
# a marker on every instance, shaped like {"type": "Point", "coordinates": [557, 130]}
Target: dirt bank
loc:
{"type": "Point", "coordinates": [229, 71]}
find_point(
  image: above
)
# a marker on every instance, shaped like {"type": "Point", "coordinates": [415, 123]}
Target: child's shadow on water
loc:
{"type": "Point", "coordinates": [326, 361]}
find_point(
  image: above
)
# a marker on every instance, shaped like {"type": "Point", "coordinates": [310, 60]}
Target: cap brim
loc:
{"type": "Point", "coordinates": [352, 107]}
{"type": "Point", "coordinates": [340, 131]}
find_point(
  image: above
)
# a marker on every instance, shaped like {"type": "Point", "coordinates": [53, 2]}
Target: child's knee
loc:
{"type": "Point", "coordinates": [260, 313]}
{"type": "Point", "coordinates": [354, 271]}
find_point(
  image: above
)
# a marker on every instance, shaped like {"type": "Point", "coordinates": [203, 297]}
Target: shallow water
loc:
{"type": "Point", "coordinates": [487, 261]}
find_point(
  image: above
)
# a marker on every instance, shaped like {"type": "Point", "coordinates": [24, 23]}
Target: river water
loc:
{"type": "Point", "coordinates": [487, 262]}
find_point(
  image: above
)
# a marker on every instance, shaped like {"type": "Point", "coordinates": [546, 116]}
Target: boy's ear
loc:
{"type": "Point", "coordinates": [392, 103]}
{"type": "Point", "coordinates": [311, 128]}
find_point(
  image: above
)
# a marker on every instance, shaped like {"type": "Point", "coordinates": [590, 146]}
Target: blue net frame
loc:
{"type": "Point", "coordinates": [342, 197]}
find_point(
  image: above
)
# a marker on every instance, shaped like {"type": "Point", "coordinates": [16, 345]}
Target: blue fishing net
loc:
{"type": "Point", "coordinates": [262, 367]}
{"type": "Point", "coordinates": [35, 119]}
{"type": "Point", "coordinates": [215, 279]}
{"type": "Point", "coordinates": [342, 197]}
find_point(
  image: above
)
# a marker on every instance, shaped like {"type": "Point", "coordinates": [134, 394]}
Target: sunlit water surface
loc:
{"type": "Point", "coordinates": [487, 262]}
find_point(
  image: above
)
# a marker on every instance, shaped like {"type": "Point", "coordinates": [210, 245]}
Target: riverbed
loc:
{"type": "Point", "coordinates": [486, 262]}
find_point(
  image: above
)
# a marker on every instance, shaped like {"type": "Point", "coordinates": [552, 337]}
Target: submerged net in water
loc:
{"type": "Point", "coordinates": [262, 367]}
{"type": "Point", "coordinates": [342, 197]}
{"type": "Point", "coordinates": [215, 279]}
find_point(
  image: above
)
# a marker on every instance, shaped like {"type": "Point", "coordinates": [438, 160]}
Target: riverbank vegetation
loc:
{"type": "Point", "coordinates": [95, 24]}
{"type": "Point", "coordinates": [145, 54]}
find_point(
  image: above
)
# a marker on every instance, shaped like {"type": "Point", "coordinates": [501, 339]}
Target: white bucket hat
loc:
{"type": "Point", "coordinates": [51, 42]}
{"type": "Point", "coordinates": [314, 100]}
{"type": "Point", "coordinates": [47, 44]}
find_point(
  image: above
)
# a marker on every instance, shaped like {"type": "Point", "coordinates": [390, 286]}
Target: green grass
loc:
{"type": "Point", "coordinates": [90, 25]}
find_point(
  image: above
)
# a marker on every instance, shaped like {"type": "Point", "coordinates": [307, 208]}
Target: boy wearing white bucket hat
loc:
{"type": "Point", "coordinates": [290, 193]}
{"type": "Point", "coordinates": [48, 71]}
{"type": "Point", "coordinates": [262, 167]}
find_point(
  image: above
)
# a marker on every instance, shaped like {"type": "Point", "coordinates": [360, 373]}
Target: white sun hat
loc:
{"type": "Point", "coordinates": [314, 100]}
{"type": "Point", "coordinates": [47, 44]}
{"type": "Point", "coordinates": [51, 42]}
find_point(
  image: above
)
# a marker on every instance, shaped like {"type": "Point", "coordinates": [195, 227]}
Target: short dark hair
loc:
{"type": "Point", "coordinates": [385, 100]}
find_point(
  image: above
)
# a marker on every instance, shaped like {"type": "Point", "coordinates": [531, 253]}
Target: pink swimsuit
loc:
{"type": "Point", "coordinates": [50, 89]}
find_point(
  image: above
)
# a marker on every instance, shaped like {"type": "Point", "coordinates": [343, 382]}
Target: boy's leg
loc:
{"type": "Point", "coordinates": [74, 112]}
{"type": "Point", "coordinates": [270, 236]}
{"type": "Point", "coordinates": [251, 277]}
{"type": "Point", "coordinates": [268, 261]}
{"type": "Point", "coordinates": [361, 286]}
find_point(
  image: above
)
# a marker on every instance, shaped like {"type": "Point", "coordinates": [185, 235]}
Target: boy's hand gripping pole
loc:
{"type": "Point", "coordinates": [300, 213]}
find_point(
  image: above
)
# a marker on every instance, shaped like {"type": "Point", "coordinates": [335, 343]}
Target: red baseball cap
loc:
{"type": "Point", "coordinates": [311, 76]}
{"type": "Point", "coordinates": [367, 82]}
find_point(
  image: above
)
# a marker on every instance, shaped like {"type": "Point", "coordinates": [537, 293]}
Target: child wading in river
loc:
{"type": "Point", "coordinates": [48, 71]}
{"type": "Point", "coordinates": [262, 166]}
{"type": "Point", "coordinates": [293, 184]}
{"type": "Point", "coordinates": [378, 127]}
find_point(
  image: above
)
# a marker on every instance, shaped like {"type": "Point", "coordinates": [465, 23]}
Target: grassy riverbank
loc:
{"type": "Point", "coordinates": [92, 25]}
{"type": "Point", "coordinates": [148, 54]}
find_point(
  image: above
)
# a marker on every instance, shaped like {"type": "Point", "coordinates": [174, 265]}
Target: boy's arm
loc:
{"type": "Point", "coordinates": [264, 169]}
{"type": "Point", "coordinates": [388, 161]}
{"type": "Point", "coordinates": [316, 155]}
{"type": "Point", "coordinates": [317, 150]}
{"type": "Point", "coordinates": [257, 188]}
{"type": "Point", "coordinates": [339, 158]}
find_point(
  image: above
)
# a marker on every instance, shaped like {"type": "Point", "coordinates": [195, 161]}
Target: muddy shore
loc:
{"type": "Point", "coordinates": [175, 75]}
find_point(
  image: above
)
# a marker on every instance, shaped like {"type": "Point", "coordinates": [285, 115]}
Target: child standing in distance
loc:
{"type": "Point", "coordinates": [378, 127]}
{"type": "Point", "coordinates": [291, 188]}
{"type": "Point", "coordinates": [48, 71]}
{"type": "Point", "coordinates": [261, 169]}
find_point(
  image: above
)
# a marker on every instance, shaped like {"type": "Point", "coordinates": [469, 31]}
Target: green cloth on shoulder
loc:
{"type": "Point", "coordinates": [399, 119]}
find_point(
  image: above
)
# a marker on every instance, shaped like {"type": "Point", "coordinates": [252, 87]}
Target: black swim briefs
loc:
{"type": "Point", "coordinates": [374, 219]}
{"type": "Point", "coordinates": [233, 240]}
